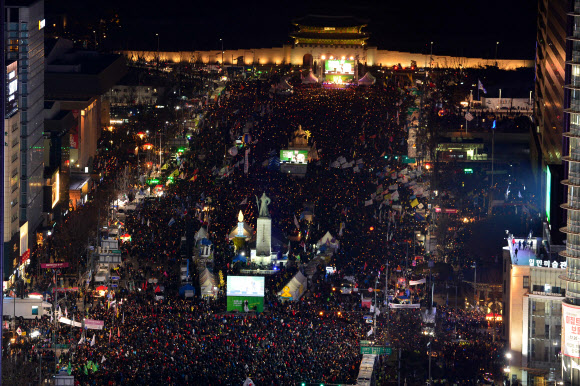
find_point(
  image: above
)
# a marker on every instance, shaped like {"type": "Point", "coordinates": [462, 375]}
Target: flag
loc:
{"type": "Point", "coordinates": [69, 369]}
{"type": "Point", "coordinates": [370, 332]}
{"type": "Point", "coordinates": [248, 382]}
{"type": "Point", "coordinates": [171, 222]}
{"type": "Point", "coordinates": [110, 334]}
{"type": "Point", "coordinates": [66, 309]}
{"type": "Point", "coordinates": [414, 203]}
{"type": "Point", "coordinates": [480, 86]}
{"type": "Point", "coordinates": [85, 369]}
{"type": "Point", "coordinates": [93, 341]}
{"type": "Point", "coordinates": [296, 223]}
{"type": "Point", "coordinates": [104, 359]}
{"type": "Point", "coordinates": [468, 117]}
{"type": "Point", "coordinates": [82, 340]}
{"type": "Point", "coordinates": [244, 201]}
{"type": "Point", "coordinates": [123, 317]}
{"type": "Point", "coordinates": [118, 332]}
{"type": "Point", "coordinates": [95, 367]}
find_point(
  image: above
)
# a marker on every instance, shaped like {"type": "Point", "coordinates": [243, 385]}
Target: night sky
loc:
{"type": "Point", "coordinates": [457, 27]}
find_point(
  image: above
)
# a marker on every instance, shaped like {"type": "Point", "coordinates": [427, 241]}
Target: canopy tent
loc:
{"type": "Point", "coordinates": [201, 234]}
{"type": "Point", "coordinates": [240, 258]}
{"type": "Point", "coordinates": [183, 289]}
{"type": "Point", "coordinates": [310, 78]}
{"type": "Point", "coordinates": [329, 241]}
{"type": "Point", "coordinates": [367, 80]}
{"type": "Point", "coordinates": [295, 288]}
{"type": "Point", "coordinates": [207, 283]}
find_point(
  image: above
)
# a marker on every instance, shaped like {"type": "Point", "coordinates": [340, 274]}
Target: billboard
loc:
{"type": "Point", "coordinates": [548, 192]}
{"type": "Point", "coordinates": [245, 293]}
{"type": "Point", "coordinates": [12, 89]}
{"type": "Point", "coordinates": [55, 189]}
{"type": "Point", "coordinates": [570, 330]}
{"type": "Point", "coordinates": [294, 156]}
{"type": "Point", "coordinates": [343, 67]}
{"type": "Point", "coordinates": [245, 303]}
{"type": "Point", "coordinates": [245, 286]}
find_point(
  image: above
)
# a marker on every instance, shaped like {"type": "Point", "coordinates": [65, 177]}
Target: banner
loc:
{"type": "Point", "coordinates": [93, 324]}
{"type": "Point", "coordinates": [393, 305]}
{"type": "Point", "coordinates": [64, 320]}
{"type": "Point", "coordinates": [571, 330]}
{"type": "Point", "coordinates": [417, 282]}
{"type": "Point", "coordinates": [54, 265]}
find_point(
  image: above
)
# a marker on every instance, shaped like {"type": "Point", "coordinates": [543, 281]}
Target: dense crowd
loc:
{"type": "Point", "coordinates": [315, 339]}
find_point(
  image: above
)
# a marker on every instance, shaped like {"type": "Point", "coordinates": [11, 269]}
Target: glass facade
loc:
{"type": "Point", "coordinates": [545, 329]}
{"type": "Point", "coordinates": [25, 43]}
{"type": "Point", "coordinates": [571, 150]}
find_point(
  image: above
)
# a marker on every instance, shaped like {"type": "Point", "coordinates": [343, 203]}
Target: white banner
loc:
{"type": "Point", "coordinates": [393, 305]}
{"type": "Point", "coordinates": [571, 330]}
{"type": "Point", "coordinates": [64, 320]}
{"type": "Point", "coordinates": [417, 282]}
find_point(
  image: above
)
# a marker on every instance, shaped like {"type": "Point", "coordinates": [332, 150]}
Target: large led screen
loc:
{"type": "Point", "coordinates": [245, 286]}
{"type": "Point", "coordinates": [339, 67]}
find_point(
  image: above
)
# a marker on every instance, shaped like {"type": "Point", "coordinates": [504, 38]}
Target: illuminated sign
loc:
{"type": "Point", "coordinates": [547, 264]}
{"type": "Point", "coordinates": [12, 91]}
{"type": "Point", "coordinates": [294, 156]}
{"type": "Point", "coordinates": [570, 330]}
{"type": "Point", "coordinates": [55, 189]}
{"type": "Point", "coordinates": [41, 24]}
{"type": "Point", "coordinates": [23, 238]}
{"type": "Point", "coordinates": [548, 192]}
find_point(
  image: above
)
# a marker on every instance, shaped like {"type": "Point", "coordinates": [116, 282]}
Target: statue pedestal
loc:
{"type": "Point", "coordinates": [264, 237]}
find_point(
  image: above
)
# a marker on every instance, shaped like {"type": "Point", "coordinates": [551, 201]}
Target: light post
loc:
{"type": "Point", "coordinates": [222, 41]}
{"type": "Point", "coordinates": [157, 50]}
{"type": "Point", "coordinates": [496, 46]}
{"type": "Point", "coordinates": [507, 370]}
{"type": "Point", "coordinates": [431, 56]}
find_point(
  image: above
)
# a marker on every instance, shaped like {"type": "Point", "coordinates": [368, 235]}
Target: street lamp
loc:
{"type": "Point", "coordinates": [157, 49]}
{"type": "Point", "coordinates": [431, 56]}
{"type": "Point", "coordinates": [496, 46]}
{"type": "Point", "coordinates": [222, 41]}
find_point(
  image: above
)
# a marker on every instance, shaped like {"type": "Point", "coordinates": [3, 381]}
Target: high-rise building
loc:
{"type": "Point", "coordinates": [24, 38]}
{"type": "Point", "coordinates": [549, 108]}
{"type": "Point", "coordinates": [11, 160]}
{"type": "Point", "coordinates": [571, 152]}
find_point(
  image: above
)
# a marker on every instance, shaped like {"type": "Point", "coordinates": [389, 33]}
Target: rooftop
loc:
{"type": "Point", "coordinates": [329, 21]}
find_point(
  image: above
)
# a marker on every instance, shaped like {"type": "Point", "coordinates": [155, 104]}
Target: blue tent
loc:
{"type": "Point", "coordinates": [187, 287]}
{"type": "Point", "coordinates": [240, 258]}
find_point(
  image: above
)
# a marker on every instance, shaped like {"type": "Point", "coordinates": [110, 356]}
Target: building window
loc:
{"type": "Point", "coordinates": [526, 282]}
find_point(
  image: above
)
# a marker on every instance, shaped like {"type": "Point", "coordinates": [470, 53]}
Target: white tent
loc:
{"type": "Point", "coordinates": [201, 234]}
{"type": "Point", "coordinates": [207, 283]}
{"type": "Point", "coordinates": [367, 80]}
{"type": "Point", "coordinates": [329, 240]}
{"type": "Point", "coordinates": [310, 78]}
{"type": "Point", "coordinates": [295, 288]}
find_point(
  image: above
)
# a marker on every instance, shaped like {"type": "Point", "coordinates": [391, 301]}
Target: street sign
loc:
{"type": "Point", "coordinates": [370, 290]}
{"type": "Point", "coordinates": [115, 277]}
{"type": "Point", "coordinates": [376, 350]}
{"type": "Point", "coordinates": [114, 285]}
{"type": "Point", "coordinates": [367, 317]}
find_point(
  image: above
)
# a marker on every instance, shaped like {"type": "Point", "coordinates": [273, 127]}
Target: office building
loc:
{"type": "Point", "coordinates": [24, 37]}
{"type": "Point", "coordinates": [11, 167]}
{"type": "Point", "coordinates": [549, 109]}
{"type": "Point", "coordinates": [533, 292]}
